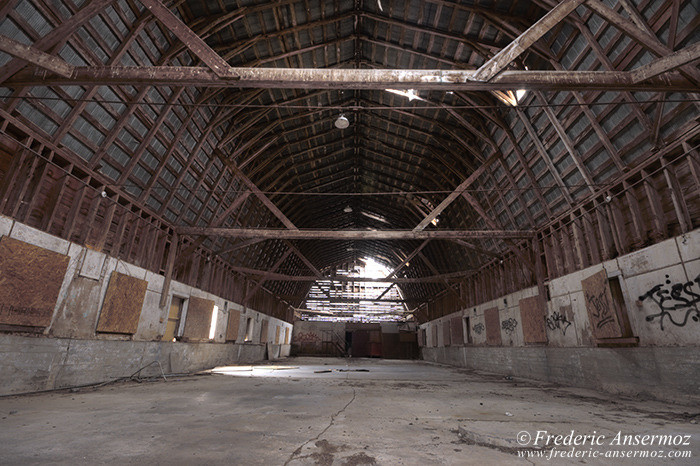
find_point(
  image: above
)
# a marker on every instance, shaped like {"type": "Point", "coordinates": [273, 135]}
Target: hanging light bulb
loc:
{"type": "Point", "coordinates": [342, 122]}
{"type": "Point", "coordinates": [347, 209]}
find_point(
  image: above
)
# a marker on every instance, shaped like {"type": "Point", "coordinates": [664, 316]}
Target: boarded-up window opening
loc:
{"type": "Point", "coordinates": [468, 332]}
{"type": "Point", "coordinates": [248, 329]}
{"type": "Point", "coordinates": [177, 304]}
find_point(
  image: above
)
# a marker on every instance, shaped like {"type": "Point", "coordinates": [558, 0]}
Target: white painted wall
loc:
{"type": "Point", "coordinates": [672, 262]}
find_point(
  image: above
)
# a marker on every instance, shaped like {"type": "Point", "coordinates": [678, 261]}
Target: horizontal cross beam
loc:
{"type": "Point", "coordinates": [352, 235]}
{"type": "Point", "coordinates": [270, 276]}
{"type": "Point", "coordinates": [337, 78]}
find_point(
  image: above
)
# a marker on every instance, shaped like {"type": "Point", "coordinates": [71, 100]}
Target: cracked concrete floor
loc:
{"type": "Point", "coordinates": [328, 411]}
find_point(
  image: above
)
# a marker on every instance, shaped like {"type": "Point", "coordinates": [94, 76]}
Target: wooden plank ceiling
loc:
{"type": "Point", "coordinates": [190, 116]}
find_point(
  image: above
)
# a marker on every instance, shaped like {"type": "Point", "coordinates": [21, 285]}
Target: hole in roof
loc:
{"type": "Point", "coordinates": [358, 300]}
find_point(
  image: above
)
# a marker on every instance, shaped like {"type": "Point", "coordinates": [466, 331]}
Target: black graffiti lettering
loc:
{"type": "Point", "coordinates": [602, 312]}
{"type": "Point", "coordinates": [557, 321]}
{"type": "Point", "coordinates": [680, 297]}
{"type": "Point", "coordinates": [478, 328]}
{"type": "Point", "coordinates": [509, 325]}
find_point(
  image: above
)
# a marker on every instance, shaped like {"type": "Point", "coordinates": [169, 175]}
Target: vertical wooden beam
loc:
{"type": "Point", "coordinates": [679, 205]}
{"type": "Point", "coordinates": [172, 253]}
{"type": "Point", "coordinates": [579, 242]}
{"type": "Point", "coordinates": [53, 203]}
{"type": "Point", "coordinates": [106, 225]}
{"type": "Point", "coordinates": [658, 220]}
{"type": "Point", "coordinates": [72, 217]}
{"type": "Point", "coordinates": [603, 230]}
{"type": "Point", "coordinates": [591, 237]}
{"type": "Point", "coordinates": [639, 231]}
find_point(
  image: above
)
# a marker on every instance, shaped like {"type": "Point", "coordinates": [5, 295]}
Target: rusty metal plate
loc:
{"type": "Point", "coordinates": [532, 317]}
{"type": "Point", "coordinates": [493, 326]}
{"type": "Point", "coordinates": [122, 306]}
{"type": "Point", "coordinates": [30, 281]}
{"type": "Point", "coordinates": [600, 306]}
{"type": "Point", "coordinates": [198, 319]}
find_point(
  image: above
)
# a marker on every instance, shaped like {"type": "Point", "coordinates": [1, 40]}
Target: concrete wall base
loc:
{"type": "Point", "coordinates": [30, 364]}
{"type": "Point", "coordinates": [664, 373]}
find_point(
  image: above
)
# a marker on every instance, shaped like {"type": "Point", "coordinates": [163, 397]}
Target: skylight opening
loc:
{"type": "Point", "coordinates": [410, 94]}
{"type": "Point", "coordinates": [509, 97]}
{"type": "Point", "coordinates": [357, 300]}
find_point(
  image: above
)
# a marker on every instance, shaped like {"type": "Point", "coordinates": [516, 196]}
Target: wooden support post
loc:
{"type": "Point", "coordinates": [639, 231]}
{"type": "Point", "coordinates": [106, 226]}
{"type": "Point", "coordinates": [53, 203]}
{"type": "Point", "coordinates": [603, 231]}
{"type": "Point", "coordinates": [11, 177]}
{"type": "Point", "coordinates": [539, 274]}
{"type": "Point", "coordinates": [72, 217]}
{"type": "Point", "coordinates": [119, 235]}
{"type": "Point", "coordinates": [33, 196]}
{"type": "Point", "coordinates": [579, 242]}
{"type": "Point", "coordinates": [658, 219]}
{"type": "Point", "coordinates": [591, 237]}
{"type": "Point", "coordinates": [172, 253]}
{"type": "Point", "coordinates": [679, 204]}
{"type": "Point", "coordinates": [17, 199]}
{"type": "Point", "coordinates": [89, 222]}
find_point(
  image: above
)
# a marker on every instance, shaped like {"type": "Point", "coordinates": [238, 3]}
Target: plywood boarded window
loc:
{"type": "Point", "coordinates": [30, 281]}
{"type": "Point", "coordinates": [234, 321]}
{"type": "Point", "coordinates": [445, 333]}
{"type": "Point", "coordinates": [532, 316]}
{"type": "Point", "coordinates": [456, 331]}
{"type": "Point", "coordinates": [174, 315]}
{"type": "Point", "coordinates": [198, 319]}
{"type": "Point", "coordinates": [122, 306]}
{"type": "Point", "coordinates": [277, 335]}
{"type": "Point", "coordinates": [286, 335]}
{"type": "Point", "coordinates": [493, 327]}
{"type": "Point", "coordinates": [263, 331]}
{"type": "Point", "coordinates": [600, 306]}
{"type": "Point", "coordinates": [434, 335]}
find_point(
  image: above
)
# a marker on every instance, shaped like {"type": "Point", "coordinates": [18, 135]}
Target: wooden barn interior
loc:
{"type": "Point", "coordinates": [347, 232]}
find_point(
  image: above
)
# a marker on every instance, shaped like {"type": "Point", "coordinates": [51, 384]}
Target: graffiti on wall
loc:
{"type": "Point", "coordinates": [602, 308]}
{"type": "Point", "coordinates": [478, 328]}
{"type": "Point", "coordinates": [677, 302]}
{"type": "Point", "coordinates": [557, 320]}
{"type": "Point", "coordinates": [306, 337]}
{"type": "Point", "coordinates": [509, 325]}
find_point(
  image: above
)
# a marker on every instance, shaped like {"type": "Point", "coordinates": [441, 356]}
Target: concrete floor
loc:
{"type": "Point", "coordinates": [362, 412]}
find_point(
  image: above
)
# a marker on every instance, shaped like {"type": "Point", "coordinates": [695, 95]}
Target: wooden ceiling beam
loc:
{"type": "Point", "coordinates": [506, 56]}
{"type": "Point", "coordinates": [354, 235]}
{"type": "Point", "coordinates": [337, 78]}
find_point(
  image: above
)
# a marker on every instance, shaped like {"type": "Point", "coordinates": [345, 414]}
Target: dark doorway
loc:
{"type": "Point", "coordinates": [348, 343]}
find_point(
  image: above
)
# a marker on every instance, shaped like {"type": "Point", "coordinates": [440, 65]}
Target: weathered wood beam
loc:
{"type": "Point", "coordinates": [36, 57]}
{"type": "Point", "coordinates": [189, 250]}
{"type": "Point", "coordinates": [350, 235]}
{"type": "Point", "coordinates": [344, 279]}
{"type": "Point", "coordinates": [57, 35]}
{"type": "Point", "coordinates": [639, 35]}
{"type": "Point", "coordinates": [260, 283]}
{"type": "Point", "coordinates": [256, 191]}
{"type": "Point", "coordinates": [336, 78]}
{"type": "Point", "coordinates": [505, 57]}
{"type": "Point", "coordinates": [453, 195]}
{"type": "Point", "coordinates": [191, 40]}
{"type": "Point", "coordinates": [666, 63]}
{"type": "Point", "coordinates": [408, 259]}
